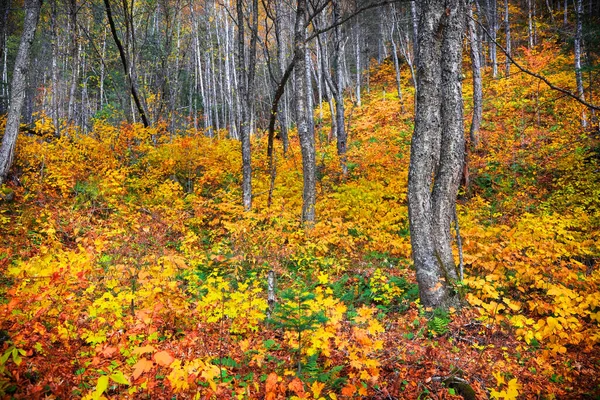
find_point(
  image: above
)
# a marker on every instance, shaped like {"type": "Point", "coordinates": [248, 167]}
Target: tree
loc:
{"type": "Point", "coordinates": [307, 141]}
{"type": "Point", "coordinates": [477, 83]}
{"type": "Point", "coordinates": [577, 49]}
{"type": "Point", "coordinates": [437, 149]}
{"type": "Point", "coordinates": [18, 86]}
{"type": "Point", "coordinates": [247, 91]}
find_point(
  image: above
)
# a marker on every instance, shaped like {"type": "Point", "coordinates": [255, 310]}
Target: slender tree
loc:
{"type": "Point", "coordinates": [437, 148]}
{"type": "Point", "coordinates": [307, 141]}
{"type": "Point", "coordinates": [577, 49]}
{"type": "Point", "coordinates": [477, 83]}
{"type": "Point", "coordinates": [18, 87]}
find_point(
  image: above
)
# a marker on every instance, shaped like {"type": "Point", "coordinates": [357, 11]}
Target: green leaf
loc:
{"type": "Point", "coordinates": [16, 357]}
{"type": "Point", "coordinates": [119, 378]}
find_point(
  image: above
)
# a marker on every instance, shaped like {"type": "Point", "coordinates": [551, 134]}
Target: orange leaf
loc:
{"type": "Point", "coordinates": [348, 390]}
{"type": "Point", "coordinates": [271, 386]}
{"type": "Point", "coordinates": [297, 387]}
{"type": "Point", "coordinates": [143, 365]}
{"type": "Point", "coordinates": [163, 358]}
{"type": "Point", "coordinates": [143, 350]}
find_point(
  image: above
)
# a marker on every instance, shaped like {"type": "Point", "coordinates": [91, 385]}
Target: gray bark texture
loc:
{"type": "Point", "coordinates": [577, 45]}
{"type": "Point", "coordinates": [18, 87]}
{"type": "Point", "coordinates": [507, 33]}
{"type": "Point", "coordinates": [307, 140]}
{"type": "Point", "coordinates": [477, 83]}
{"type": "Point", "coordinates": [247, 91]}
{"type": "Point", "coordinates": [338, 90]}
{"type": "Point", "coordinates": [437, 149]}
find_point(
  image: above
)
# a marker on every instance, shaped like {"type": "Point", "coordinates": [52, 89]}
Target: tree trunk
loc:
{"type": "Point", "coordinates": [246, 82]}
{"type": "Point", "coordinates": [529, 25]}
{"type": "Point", "coordinates": [18, 87]}
{"type": "Point", "coordinates": [396, 66]}
{"type": "Point", "coordinates": [507, 33]}
{"type": "Point", "coordinates": [4, 11]}
{"type": "Point", "coordinates": [307, 141]}
{"type": "Point", "coordinates": [477, 85]}
{"type": "Point", "coordinates": [282, 116]}
{"type": "Point", "coordinates": [437, 149]}
{"type": "Point", "coordinates": [492, 9]}
{"type": "Point", "coordinates": [338, 90]}
{"type": "Point", "coordinates": [578, 74]}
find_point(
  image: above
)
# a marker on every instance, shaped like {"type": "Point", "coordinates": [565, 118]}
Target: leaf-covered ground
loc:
{"type": "Point", "coordinates": [128, 269]}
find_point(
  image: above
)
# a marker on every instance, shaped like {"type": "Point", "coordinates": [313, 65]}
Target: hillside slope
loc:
{"type": "Point", "coordinates": [129, 269]}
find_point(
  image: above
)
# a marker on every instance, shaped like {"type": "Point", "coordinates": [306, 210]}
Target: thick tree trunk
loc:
{"type": "Point", "coordinates": [307, 141]}
{"type": "Point", "coordinates": [437, 149]}
{"type": "Point", "coordinates": [18, 87]}
{"type": "Point", "coordinates": [477, 84]}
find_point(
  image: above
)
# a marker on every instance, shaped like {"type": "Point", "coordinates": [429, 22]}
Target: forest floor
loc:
{"type": "Point", "coordinates": [129, 270]}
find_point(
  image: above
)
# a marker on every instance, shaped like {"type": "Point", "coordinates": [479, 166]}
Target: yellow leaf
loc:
{"type": "Point", "coordinates": [316, 389]}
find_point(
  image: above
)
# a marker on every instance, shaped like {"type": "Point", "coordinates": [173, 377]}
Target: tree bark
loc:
{"type": "Point", "coordinates": [307, 141]}
{"type": "Point", "coordinates": [507, 34]}
{"type": "Point", "coordinates": [4, 10]}
{"type": "Point", "coordinates": [338, 89]}
{"type": "Point", "coordinates": [477, 83]}
{"type": "Point", "coordinates": [578, 74]}
{"type": "Point", "coordinates": [437, 149]}
{"type": "Point", "coordinates": [246, 82]}
{"type": "Point", "coordinates": [18, 87]}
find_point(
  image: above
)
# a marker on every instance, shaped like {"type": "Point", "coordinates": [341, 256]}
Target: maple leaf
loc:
{"type": "Point", "coordinates": [348, 390]}
{"type": "Point", "coordinates": [297, 387]}
{"type": "Point", "coordinates": [316, 389]}
{"type": "Point", "coordinates": [271, 386]}
{"type": "Point", "coordinates": [163, 358]}
{"type": "Point", "coordinates": [143, 350]}
{"type": "Point", "coordinates": [141, 366]}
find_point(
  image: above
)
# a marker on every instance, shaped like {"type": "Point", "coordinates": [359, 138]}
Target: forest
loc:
{"type": "Point", "coordinates": [299, 199]}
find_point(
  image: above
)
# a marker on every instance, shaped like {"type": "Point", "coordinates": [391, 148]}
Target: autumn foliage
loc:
{"type": "Point", "coordinates": [128, 268]}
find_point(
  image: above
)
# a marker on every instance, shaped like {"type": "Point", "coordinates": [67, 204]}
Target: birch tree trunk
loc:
{"type": "Point", "coordinates": [4, 10]}
{"type": "Point", "coordinates": [396, 65]}
{"type": "Point", "coordinates": [437, 149]}
{"type": "Point", "coordinates": [338, 90]}
{"type": "Point", "coordinates": [282, 116]}
{"type": "Point", "coordinates": [578, 45]}
{"type": "Point", "coordinates": [358, 66]}
{"type": "Point", "coordinates": [18, 87]}
{"type": "Point", "coordinates": [307, 141]}
{"type": "Point", "coordinates": [507, 34]}
{"type": "Point", "coordinates": [477, 84]}
{"type": "Point", "coordinates": [246, 82]}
